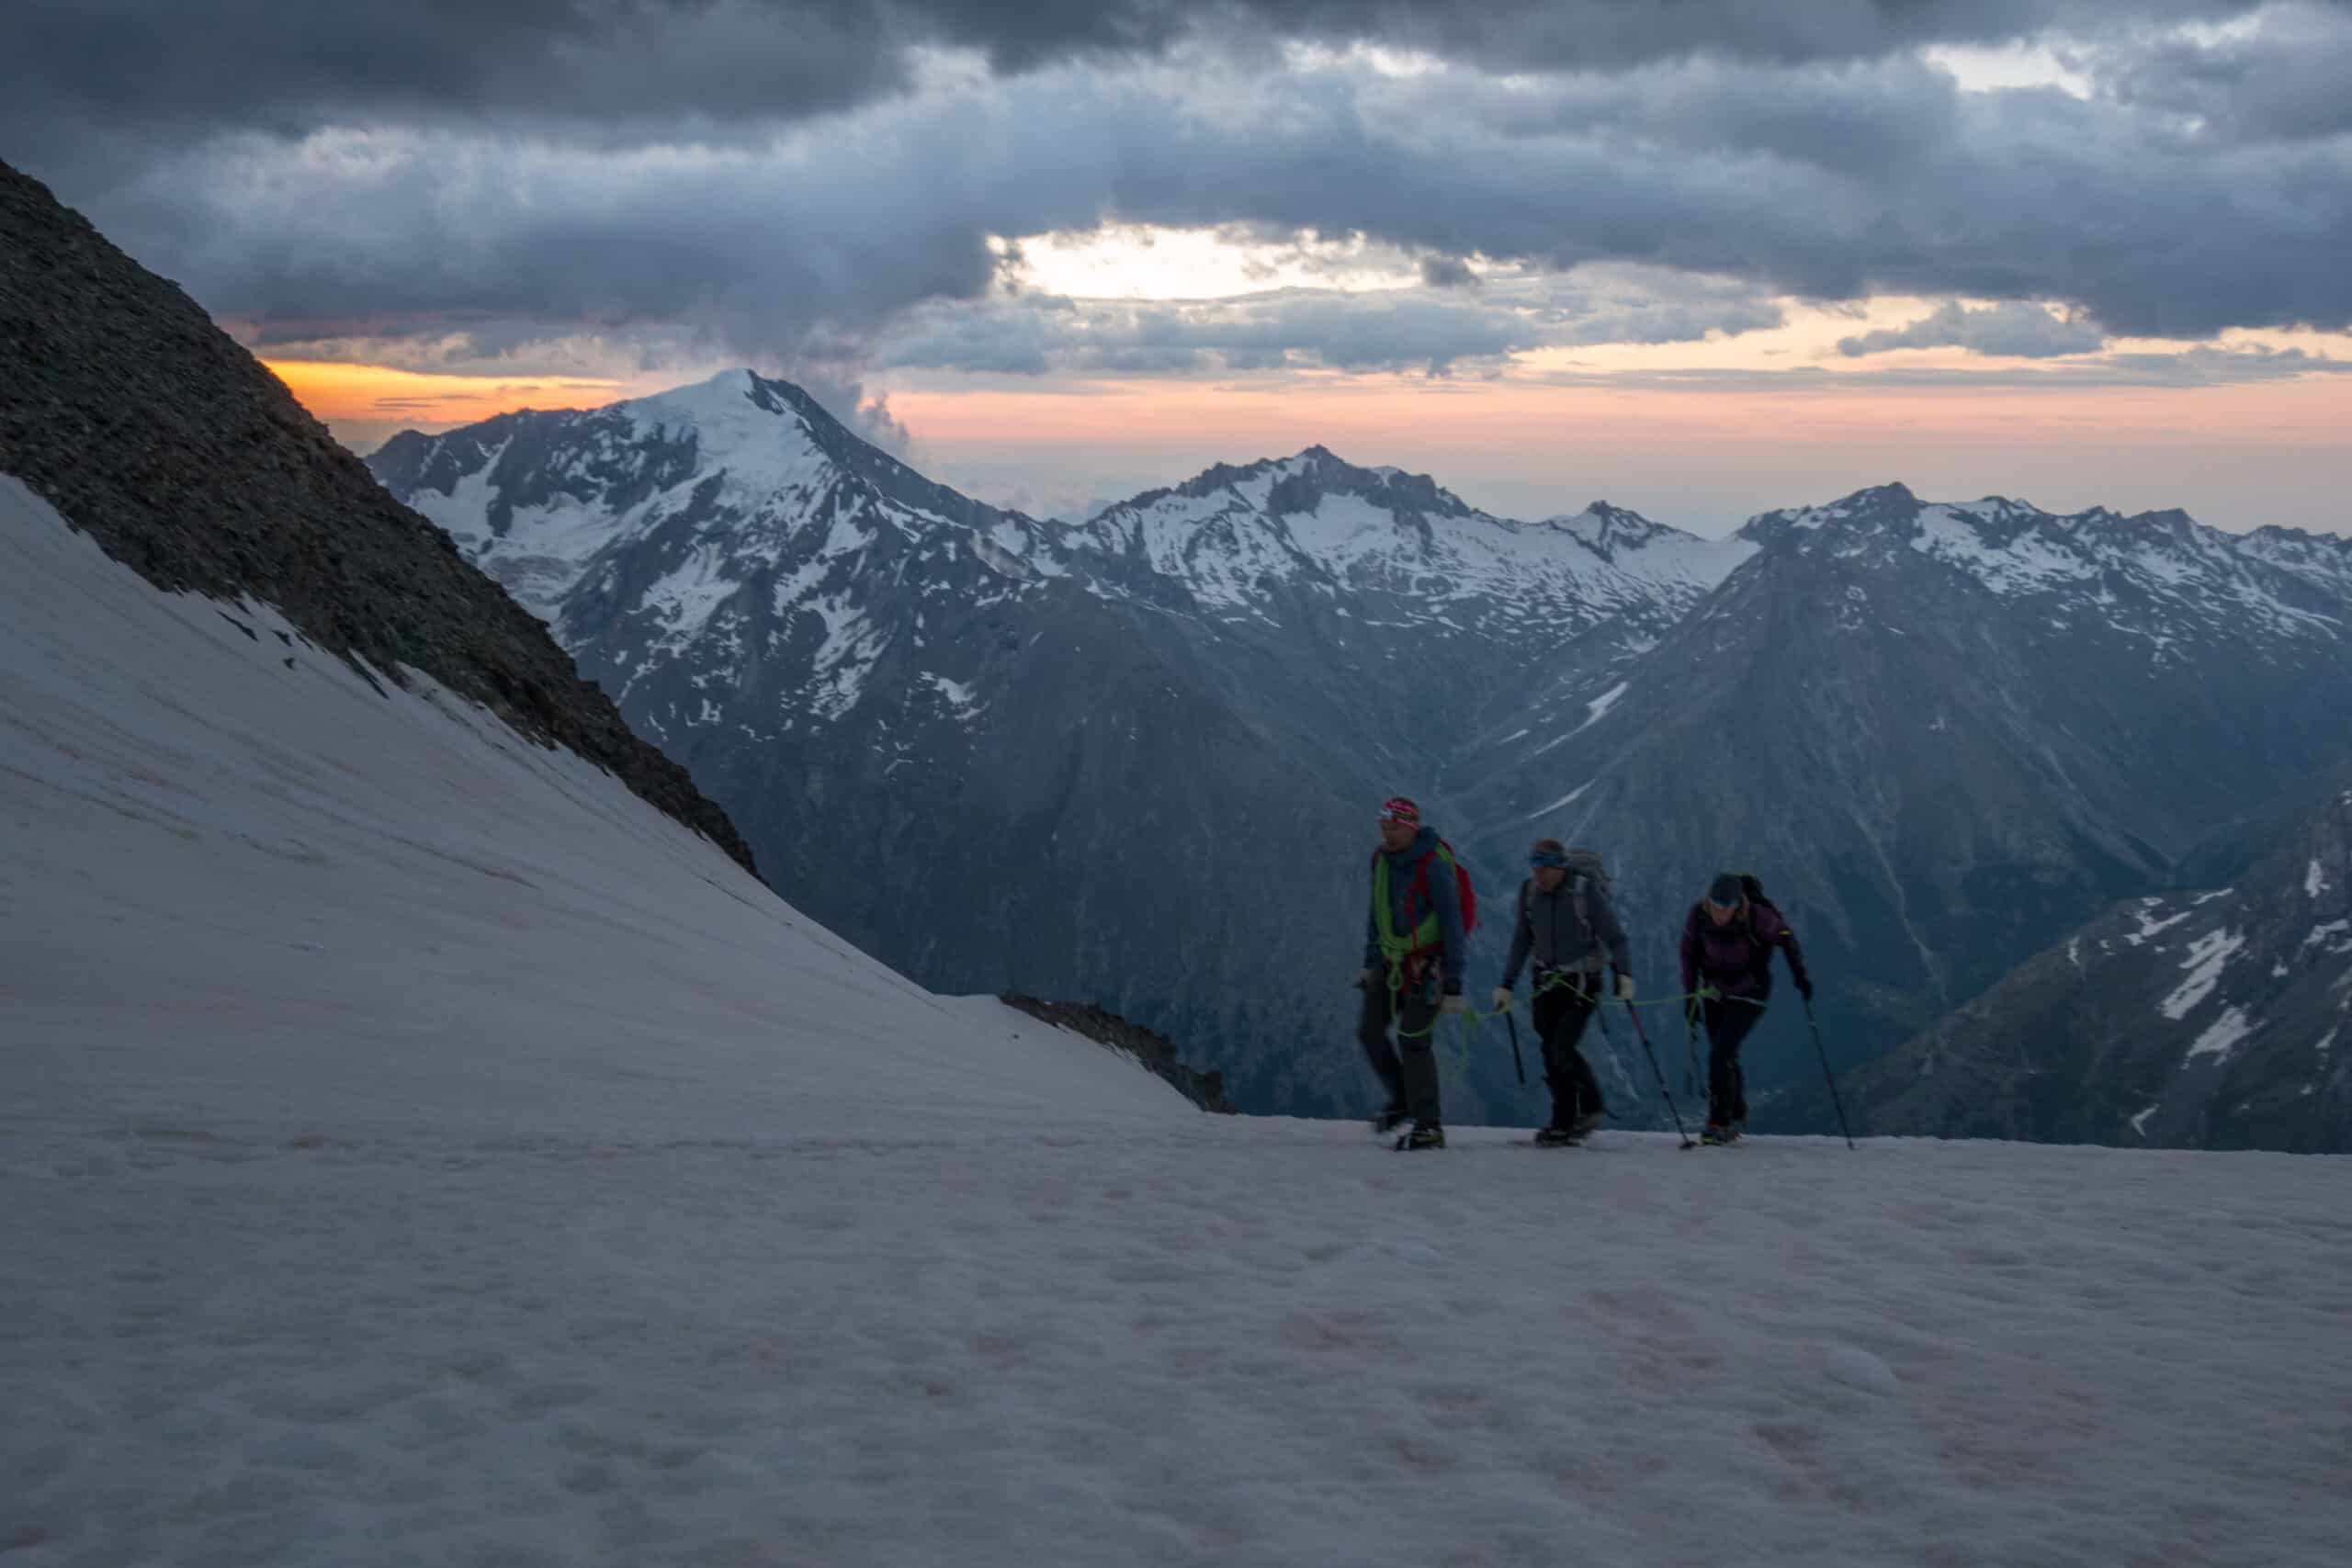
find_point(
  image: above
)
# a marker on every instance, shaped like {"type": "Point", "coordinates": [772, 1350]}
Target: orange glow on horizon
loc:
{"type": "Point", "coordinates": [345, 393]}
{"type": "Point", "coordinates": [1408, 419]}
{"type": "Point", "coordinates": [1512, 415]}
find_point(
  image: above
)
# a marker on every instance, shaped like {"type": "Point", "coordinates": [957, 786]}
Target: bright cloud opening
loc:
{"type": "Point", "coordinates": [1135, 261]}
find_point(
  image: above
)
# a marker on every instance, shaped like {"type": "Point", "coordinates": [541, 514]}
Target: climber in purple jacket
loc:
{"type": "Point", "coordinates": [1728, 947]}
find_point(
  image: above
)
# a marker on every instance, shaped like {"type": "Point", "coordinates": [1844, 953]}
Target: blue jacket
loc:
{"type": "Point", "coordinates": [1404, 889]}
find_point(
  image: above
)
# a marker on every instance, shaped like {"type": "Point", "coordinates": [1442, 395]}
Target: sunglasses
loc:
{"type": "Point", "coordinates": [1548, 862]}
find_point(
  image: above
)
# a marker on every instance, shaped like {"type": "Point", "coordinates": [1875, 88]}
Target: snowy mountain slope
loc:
{"type": "Point", "coordinates": [247, 890]}
{"type": "Point", "coordinates": [2194, 1019]}
{"type": "Point", "coordinates": [2322, 558]}
{"type": "Point", "coordinates": [151, 429]}
{"type": "Point", "coordinates": [1944, 736]}
{"type": "Point", "coordinates": [1233, 540]}
{"type": "Point", "coordinates": [1140, 750]}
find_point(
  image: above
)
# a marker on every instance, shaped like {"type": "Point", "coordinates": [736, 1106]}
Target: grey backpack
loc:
{"type": "Point", "coordinates": [1588, 872]}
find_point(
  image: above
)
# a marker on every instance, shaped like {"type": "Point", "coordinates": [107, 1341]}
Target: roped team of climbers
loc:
{"type": "Point", "coordinates": [1422, 907]}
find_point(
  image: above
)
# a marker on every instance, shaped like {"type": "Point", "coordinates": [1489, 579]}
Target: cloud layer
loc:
{"type": "Point", "coordinates": [826, 187]}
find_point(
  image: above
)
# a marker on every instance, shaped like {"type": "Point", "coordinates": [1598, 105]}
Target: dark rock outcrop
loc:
{"type": "Point", "coordinates": [1154, 1051]}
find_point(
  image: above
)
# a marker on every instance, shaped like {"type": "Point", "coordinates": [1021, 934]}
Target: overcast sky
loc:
{"type": "Point", "coordinates": [1701, 258]}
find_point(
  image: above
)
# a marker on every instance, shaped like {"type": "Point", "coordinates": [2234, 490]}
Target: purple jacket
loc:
{"type": "Point", "coordinates": [1736, 957]}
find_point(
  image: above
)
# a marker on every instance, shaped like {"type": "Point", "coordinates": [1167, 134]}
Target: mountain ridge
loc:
{"type": "Point", "coordinates": [1962, 704]}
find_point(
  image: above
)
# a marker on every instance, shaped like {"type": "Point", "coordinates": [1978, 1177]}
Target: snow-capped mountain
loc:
{"type": "Point", "coordinates": [1132, 759]}
{"type": "Point", "coordinates": [1944, 735]}
{"type": "Point", "coordinates": [1142, 747]}
{"type": "Point", "coordinates": [2207, 1020]}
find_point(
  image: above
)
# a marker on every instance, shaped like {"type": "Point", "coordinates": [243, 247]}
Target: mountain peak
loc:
{"type": "Point", "coordinates": [1872, 510]}
{"type": "Point", "coordinates": [730, 397]}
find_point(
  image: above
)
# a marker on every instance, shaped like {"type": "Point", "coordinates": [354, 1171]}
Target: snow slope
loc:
{"type": "Point", "coordinates": [415, 1149]}
{"type": "Point", "coordinates": [249, 888]}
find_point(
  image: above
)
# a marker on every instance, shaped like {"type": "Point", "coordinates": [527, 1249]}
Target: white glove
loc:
{"type": "Point", "coordinates": [1362, 981]}
{"type": "Point", "coordinates": [1501, 1001]}
{"type": "Point", "coordinates": [1456, 1004]}
{"type": "Point", "coordinates": [1624, 988]}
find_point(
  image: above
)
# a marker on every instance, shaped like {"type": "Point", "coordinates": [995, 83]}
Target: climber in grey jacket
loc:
{"type": "Point", "coordinates": [1568, 926]}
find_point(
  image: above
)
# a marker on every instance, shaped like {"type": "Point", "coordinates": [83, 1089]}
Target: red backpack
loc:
{"type": "Point", "coordinates": [1421, 887]}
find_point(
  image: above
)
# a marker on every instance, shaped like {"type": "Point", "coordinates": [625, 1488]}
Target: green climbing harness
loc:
{"type": "Point", "coordinates": [1397, 950]}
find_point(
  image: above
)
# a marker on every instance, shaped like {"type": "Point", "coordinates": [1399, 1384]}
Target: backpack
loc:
{"type": "Point", "coordinates": [1467, 895]}
{"type": "Point", "coordinates": [1420, 885]}
{"type": "Point", "coordinates": [1586, 873]}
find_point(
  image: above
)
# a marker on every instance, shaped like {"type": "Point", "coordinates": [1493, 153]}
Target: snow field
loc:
{"type": "Point", "coordinates": [1220, 1342]}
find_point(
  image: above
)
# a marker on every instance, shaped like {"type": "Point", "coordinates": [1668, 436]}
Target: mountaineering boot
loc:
{"type": "Point", "coordinates": [1585, 1123]}
{"type": "Point", "coordinates": [1388, 1120]}
{"type": "Point", "coordinates": [1424, 1135]}
{"type": "Point", "coordinates": [1556, 1137]}
{"type": "Point", "coordinates": [1717, 1132]}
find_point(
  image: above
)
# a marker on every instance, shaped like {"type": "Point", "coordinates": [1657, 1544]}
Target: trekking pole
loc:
{"type": "Point", "coordinates": [1644, 1036]}
{"type": "Point", "coordinates": [1825, 1073]}
{"type": "Point", "coordinates": [1690, 1049]}
{"type": "Point", "coordinates": [1516, 1065]}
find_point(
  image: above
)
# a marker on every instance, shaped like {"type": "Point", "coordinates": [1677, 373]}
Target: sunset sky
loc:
{"type": "Point", "coordinates": [1699, 259]}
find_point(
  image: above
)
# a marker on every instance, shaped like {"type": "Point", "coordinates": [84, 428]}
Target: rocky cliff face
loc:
{"type": "Point", "coordinates": [1155, 1052]}
{"type": "Point", "coordinates": [148, 428]}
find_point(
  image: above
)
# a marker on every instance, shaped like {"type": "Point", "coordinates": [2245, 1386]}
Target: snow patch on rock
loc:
{"type": "Point", "coordinates": [2208, 955]}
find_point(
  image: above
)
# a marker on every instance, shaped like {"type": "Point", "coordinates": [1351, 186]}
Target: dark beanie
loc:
{"type": "Point", "coordinates": [1726, 891]}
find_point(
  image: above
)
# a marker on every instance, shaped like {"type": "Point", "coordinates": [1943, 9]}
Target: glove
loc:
{"type": "Point", "coordinates": [1501, 1001]}
{"type": "Point", "coordinates": [1804, 988]}
{"type": "Point", "coordinates": [1455, 1003]}
{"type": "Point", "coordinates": [1362, 981]}
{"type": "Point", "coordinates": [1624, 988]}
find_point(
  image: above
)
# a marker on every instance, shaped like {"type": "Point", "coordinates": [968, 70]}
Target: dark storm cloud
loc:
{"type": "Point", "coordinates": [2291, 80]}
{"type": "Point", "coordinates": [618, 68]}
{"type": "Point", "coordinates": [291, 65]}
{"type": "Point", "coordinates": [1827, 180]}
{"type": "Point", "coordinates": [1396, 331]}
{"type": "Point", "coordinates": [2014, 328]}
